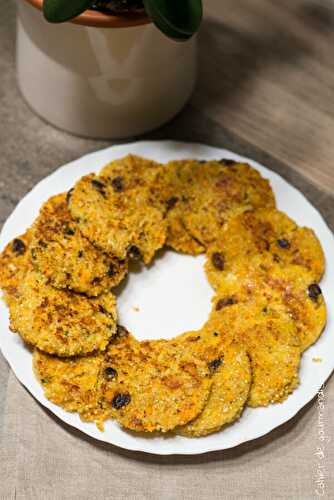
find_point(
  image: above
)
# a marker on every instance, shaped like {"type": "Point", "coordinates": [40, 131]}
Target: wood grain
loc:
{"type": "Point", "coordinates": [267, 76]}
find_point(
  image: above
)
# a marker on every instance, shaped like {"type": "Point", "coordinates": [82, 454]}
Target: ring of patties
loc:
{"type": "Point", "coordinates": [58, 279]}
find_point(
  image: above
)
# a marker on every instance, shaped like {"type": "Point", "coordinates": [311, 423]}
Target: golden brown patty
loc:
{"type": "Point", "coordinates": [231, 381]}
{"type": "Point", "coordinates": [290, 290]}
{"type": "Point", "coordinates": [66, 257]}
{"type": "Point", "coordinates": [72, 383]}
{"type": "Point", "coordinates": [14, 261]}
{"type": "Point", "coordinates": [154, 385]}
{"type": "Point", "coordinates": [61, 322]}
{"type": "Point", "coordinates": [303, 299]}
{"type": "Point", "coordinates": [118, 211]}
{"type": "Point", "coordinates": [268, 232]}
{"type": "Point", "coordinates": [201, 196]}
{"type": "Point", "coordinates": [274, 350]}
{"type": "Point", "coordinates": [270, 338]}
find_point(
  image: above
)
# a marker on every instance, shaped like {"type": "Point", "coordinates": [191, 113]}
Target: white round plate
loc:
{"type": "Point", "coordinates": [173, 296]}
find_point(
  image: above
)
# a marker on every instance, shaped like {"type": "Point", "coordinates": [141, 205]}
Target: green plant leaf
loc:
{"type": "Point", "coordinates": [178, 19]}
{"type": "Point", "coordinates": [59, 11]}
{"type": "Point", "coordinates": [166, 28]}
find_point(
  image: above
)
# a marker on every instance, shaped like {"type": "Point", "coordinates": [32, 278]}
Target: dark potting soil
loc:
{"type": "Point", "coordinates": [113, 7]}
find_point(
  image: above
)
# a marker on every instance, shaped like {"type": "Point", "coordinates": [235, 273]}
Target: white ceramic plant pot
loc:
{"type": "Point", "coordinates": [104, 82]}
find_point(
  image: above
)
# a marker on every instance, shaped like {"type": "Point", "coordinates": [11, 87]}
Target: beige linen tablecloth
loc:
{"type": "Point", "coordinates": [41, 458]}
{"type": "Point", "coordinates": [265, 90]}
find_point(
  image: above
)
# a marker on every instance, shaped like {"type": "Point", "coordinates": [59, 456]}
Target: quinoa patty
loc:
{"type": "Point", "coordinates": [200, 197]}
{"type": "Point", "coordinates": [66, 257]}
{"type": "Point", "coordinates": [231, 381]}
{"type": "Point", "coordinates": [14, 262]}
{"type": "Point", "coordinates": [62, 322]}
{"type": "Point", "coordinates": [118, 210]}
{"type": "Point", "coordinates": [266, 232]}
{"type": "Point", "coordinates": [154, 385]}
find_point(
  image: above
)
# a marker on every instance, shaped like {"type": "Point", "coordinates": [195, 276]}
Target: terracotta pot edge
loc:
{"type": "Point", "coordinates": [100, 20]}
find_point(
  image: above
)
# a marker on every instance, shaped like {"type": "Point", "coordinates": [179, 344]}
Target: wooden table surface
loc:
{"type": "Point", "coordinates": [267, 76]}
{"type": "Point", "coordinates": [265, 89]}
